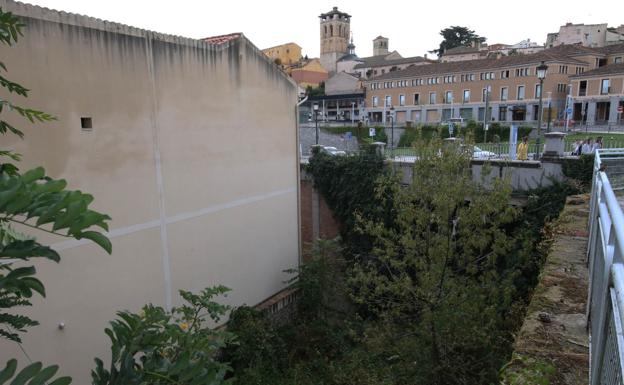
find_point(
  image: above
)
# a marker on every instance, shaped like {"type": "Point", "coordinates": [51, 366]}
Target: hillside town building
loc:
{"type": "Point", "coordinates": [598, 95]}
{"type": "Point", "coordinates": [588, 35]}
{"type": "Point", "coordinates": [284, 54]}
{"type": "Point", "coordinates": [437, 92]}
{"type": "Point", "coordinates": [335, 31]}
{"type": "Point", "coordinates": [308, 73]}
{"type": "Point", "coordinates": [479, 50]}
{"type": "Point", "coordinates": [369, 67]}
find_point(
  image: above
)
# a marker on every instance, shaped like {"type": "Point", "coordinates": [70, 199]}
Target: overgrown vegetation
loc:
{"type": "Point", "coordinates": [316, 91]}
{"type": "Point", "coordinates": [427, 286]}
{"type": "Point", "coordinates": [472, 129]}
{"type": "Point", "coordinates": [157, 346]}
{"type": "Point", "coordinates": [581, 169]}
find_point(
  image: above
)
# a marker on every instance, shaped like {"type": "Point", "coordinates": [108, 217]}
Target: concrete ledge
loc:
{"type": "Point", "coordinates": [508, 163]}
{"type": "Point", "coordinates": [552, 346]}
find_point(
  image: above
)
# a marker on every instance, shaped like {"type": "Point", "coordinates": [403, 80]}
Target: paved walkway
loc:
{"type": "Point", "coordinates": [553, 342]}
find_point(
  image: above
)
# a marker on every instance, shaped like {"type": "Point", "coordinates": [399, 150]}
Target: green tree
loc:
{"type": "Point", "coordinates": [439, 274]}
{"type": "Point", "coordinates": [161, 347]}
{"type": "Point", "coordinates": [316, 91]}
{"type": "Point", "coordinates": [456, 36]}
{"type": "Point", "coordinates": [32, 200]}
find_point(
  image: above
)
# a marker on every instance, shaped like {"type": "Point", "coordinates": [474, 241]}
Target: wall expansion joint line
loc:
{"type": "Point", "coordinates": [122, 231]}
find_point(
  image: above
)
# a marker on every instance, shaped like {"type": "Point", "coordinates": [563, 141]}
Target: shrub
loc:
{"type": "Point", "coordinates": [471, 129]}
{"type": "Point", "coordinates": [157, 346]}
{"type": "Point", "coordinates": [581, 169]}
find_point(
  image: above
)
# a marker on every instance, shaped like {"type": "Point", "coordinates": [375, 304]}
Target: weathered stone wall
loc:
{"type": "Point", "coordinates": [552, 346]}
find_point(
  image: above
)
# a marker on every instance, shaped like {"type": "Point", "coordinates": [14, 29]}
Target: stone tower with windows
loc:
{"type": "Point", "coordinates": [335, 32]}
{"type": "Point", "coordinates": [380, 46]}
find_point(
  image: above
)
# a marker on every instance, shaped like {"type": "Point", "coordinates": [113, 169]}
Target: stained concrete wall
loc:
{"type": "Point", "coordinates": [523, 175]}
{"type": "Point", "coordinates": [193, 154]}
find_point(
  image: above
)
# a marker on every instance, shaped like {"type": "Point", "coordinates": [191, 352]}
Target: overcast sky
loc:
{"type": "Point", "coordinates": [412, 26]}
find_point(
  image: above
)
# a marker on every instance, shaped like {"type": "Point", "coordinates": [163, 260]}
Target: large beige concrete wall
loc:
{"type": "Point", "coordinates": [193, 153]}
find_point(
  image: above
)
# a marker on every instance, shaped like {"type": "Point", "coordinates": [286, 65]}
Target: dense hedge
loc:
{"type": "Point", "coordinates": [361, 133]}
{"type": "Point", "coordinates": [473, 129]}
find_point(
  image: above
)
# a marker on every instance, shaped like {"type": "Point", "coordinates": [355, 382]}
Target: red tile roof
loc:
{"type": "Point", "coordinates": [221, 38]}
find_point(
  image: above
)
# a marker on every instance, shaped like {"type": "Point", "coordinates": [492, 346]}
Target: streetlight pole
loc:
{"type": "Point", "coordinates": [541, 74]}
{"type": "Point", "coordinates": [486, 121]}
{"type": "Point", "coordinates": [316, 107]}
{"type": "Point", "coordinates": [392, 131]}
{"type": "Point", "coordinates": [549, 112]}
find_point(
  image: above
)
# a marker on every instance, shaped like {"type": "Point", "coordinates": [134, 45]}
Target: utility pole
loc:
{"type": "Point", "coordinates": [549, 112]}
{"type": "Point", "coordinates": [315, 108]}
{"type": "Point", "coordinates": [568, 106]}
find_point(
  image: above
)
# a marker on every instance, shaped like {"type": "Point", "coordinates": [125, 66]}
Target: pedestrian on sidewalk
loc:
{"type": "Point", "coordinates": [576, 149]}
{"type": "Point", "coordinates": [588, 147]}
{"type": "Point", "coordinates": [597, 145]}
{"type": "Point", "coordinates": [523, 149]}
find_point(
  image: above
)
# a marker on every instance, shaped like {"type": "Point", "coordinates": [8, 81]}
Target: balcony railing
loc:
{"type": "Point", "coordinates": [606, 270]}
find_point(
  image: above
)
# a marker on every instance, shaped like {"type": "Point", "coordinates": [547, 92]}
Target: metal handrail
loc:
{"type": "Point", "coordinates": [605, 306]}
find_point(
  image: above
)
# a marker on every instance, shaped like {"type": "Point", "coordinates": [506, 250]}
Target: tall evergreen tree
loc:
{"type": "Point", "coordinates": [456, 36]}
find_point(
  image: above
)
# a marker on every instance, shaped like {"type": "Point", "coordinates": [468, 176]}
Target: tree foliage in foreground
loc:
{"type": "Point", "coordinates": [156, 346]}
{"type": "Point", "coordinates": [32, 200]}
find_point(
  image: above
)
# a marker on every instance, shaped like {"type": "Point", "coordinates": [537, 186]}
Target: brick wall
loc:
{"type": "Point", "coordinates": [317, 220]}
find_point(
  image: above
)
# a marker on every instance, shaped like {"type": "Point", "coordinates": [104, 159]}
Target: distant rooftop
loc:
{"type": "Point", "coordinates": [611, 69]}
{"type": "Point", "coordinates": [220, 39]}
{"type": "Point", "coordinates": [549, 55]}
{"type": "Point", "coordinates": [461, 50]}
{"type": "Point", "coordinates": [380, 60]}
{"type": "Point", "coordinates": [333, 12]}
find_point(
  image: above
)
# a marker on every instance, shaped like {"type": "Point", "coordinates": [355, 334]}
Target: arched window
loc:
{"type": "Point", "coordinates": [331, 30]}
{"type": "Point", "coordinates": [325, 31]}
{"type": "Point", "coordinates": [340, 30]}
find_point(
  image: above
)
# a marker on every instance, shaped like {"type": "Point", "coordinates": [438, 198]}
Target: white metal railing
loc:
{"type": "Point", "coordinates": [605, 252]}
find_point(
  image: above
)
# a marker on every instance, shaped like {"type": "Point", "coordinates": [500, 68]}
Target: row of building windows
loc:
{"type": "Point", "coordinates": [520, 72]}
{"type": "Point", "coordinates": [605, 87]}
{"type": "Point", "coordinates": [449, 99]}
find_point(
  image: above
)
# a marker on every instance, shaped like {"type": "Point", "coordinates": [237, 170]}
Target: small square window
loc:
{"type": "Point", "coordinates": [86, 124]}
